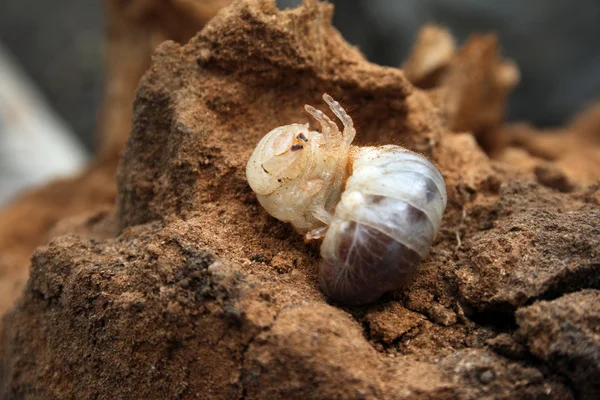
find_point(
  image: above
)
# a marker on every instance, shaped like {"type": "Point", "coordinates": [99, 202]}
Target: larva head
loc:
{"type": "Point", "coordinates": [280, 157]}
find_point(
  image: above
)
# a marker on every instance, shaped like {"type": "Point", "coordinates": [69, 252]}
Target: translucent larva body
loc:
{"type": "Point", "coordinates": [378, 230]}
{"type": "Point", "coordinates": [383, 225]}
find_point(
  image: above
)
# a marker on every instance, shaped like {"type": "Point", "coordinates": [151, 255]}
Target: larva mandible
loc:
{"type": "Point", "coordinates": [377, 231]}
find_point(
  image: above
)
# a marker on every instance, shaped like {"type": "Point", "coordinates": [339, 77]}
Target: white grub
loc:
{"type": "Point", "coordinates": [378, 230]}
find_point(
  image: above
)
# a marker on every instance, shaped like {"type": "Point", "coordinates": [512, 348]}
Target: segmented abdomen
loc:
{"type": "Point", "coordinates": [383, 226]}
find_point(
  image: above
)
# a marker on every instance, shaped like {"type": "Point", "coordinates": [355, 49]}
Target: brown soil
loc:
{"type": "Point", "coordinates": [188, 289]}
{"type": "Point", "coordinates": [565, 158]}
{"type": "Point", "coordinates": [135, 29]}
{"type": "Point", "coordinates": [474, 81]}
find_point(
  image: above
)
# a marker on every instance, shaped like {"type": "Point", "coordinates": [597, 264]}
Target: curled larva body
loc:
{"type": "Point", "coordinates": [383, 225]}
{"type": "Point", "coordinates": [378, 230]}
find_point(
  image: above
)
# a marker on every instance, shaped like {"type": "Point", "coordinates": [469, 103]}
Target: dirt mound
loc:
{"type": "Point", "coordinates": [564, 333]}
{"type": "Point", "coordinates": [470, 85]}
{"type": "Point", "coordinates": [566, 158]}
{"type": "Point", "coordinates": [135, 29]}
{"type": "Point", "coordinates": [200, 294]}
{"type": "Point", "coordinates": [474, 81]}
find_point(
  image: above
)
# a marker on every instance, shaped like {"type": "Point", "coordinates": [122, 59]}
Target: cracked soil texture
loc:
{"type": "Point", "coordinates": [188, 289]}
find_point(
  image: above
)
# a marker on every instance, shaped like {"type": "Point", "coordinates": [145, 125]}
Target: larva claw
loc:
{"type": "Point", "coordinates": [338, 110]}
{"type": "Point", "coordinates": [322, 215]}
{"type": "Point", "coordinates": [316, 234]}
{"type": "Point", "coordinates": [330, 129]}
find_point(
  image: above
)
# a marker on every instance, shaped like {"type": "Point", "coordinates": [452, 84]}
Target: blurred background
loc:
{"type": "Point", "coordinates": [52, 59]}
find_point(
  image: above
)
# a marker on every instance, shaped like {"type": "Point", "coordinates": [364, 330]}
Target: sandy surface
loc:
{"type": "Point", "coordinates": [186, 288]}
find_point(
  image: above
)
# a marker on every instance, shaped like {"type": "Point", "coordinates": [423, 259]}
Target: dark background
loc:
{"type": "Point", "coordinates": [556, 44]}
{"type": "Point", "coordinates": [60, 44]}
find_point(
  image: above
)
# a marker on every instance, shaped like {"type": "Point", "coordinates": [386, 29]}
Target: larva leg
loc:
{"type": "Point", "coordinates": [330, 129]}
{"type": "Point", "coordinates": [322, 215]}
{"type": "Point", "coordinates": [338, 110]}
{"type": "Point", "coordinates": [316, 234]}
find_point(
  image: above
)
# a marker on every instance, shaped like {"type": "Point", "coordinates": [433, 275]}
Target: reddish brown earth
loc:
{"type": "Point", "coordinates": [186, 288]}
{"type": "Point", "coordinates": [472, 81]}
{"type": "Point", "coordinates": [135, 29]}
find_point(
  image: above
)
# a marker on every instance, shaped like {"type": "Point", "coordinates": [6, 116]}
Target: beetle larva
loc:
{"type": "Point", "coordinates": [378, 230]}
